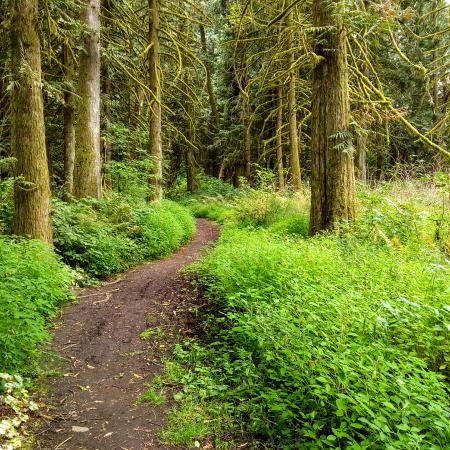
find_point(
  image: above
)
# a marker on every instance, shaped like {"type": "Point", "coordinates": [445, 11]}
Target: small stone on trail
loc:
{"type": "Point", "coordinates": [76, 429]}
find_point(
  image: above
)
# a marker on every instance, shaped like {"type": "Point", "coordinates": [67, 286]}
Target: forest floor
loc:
{"type": "Point", "coordinates": [108, 361]}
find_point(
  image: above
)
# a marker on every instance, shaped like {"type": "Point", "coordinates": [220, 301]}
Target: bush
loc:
{"type": "Point", "coordinates": [104, 237]}
{"type": "Point", "coordinates": [183, 216]}
{"type": "Point", "coordinates": [159, 232]}
{"type": "Point", "coordinates": [33, 283]}
{"type": "Point", "coordinates": [212, 210]}
{"type": "Point", "coordinates": [315, 349]}
{"type": "Point", "coordinates": [86, 239]}
{"type": "Point", "coordinates": [267, 209]}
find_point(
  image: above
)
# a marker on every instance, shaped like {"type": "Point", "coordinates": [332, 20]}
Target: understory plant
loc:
{"type": "Point", "coordinates": [339, 341]}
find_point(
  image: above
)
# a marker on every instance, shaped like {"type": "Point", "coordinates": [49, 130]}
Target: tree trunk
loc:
{"type": "Point", "coordinates": [87, 171]}
{"type": "Point", "coordinates": [280, 137]}
{"type": "Point", "coordinates": [69, 120]}
{"type": "Point", "coordinates": [32, 187]}
{"type": "Point", "coordinates": [213, 156]}
{"type": "Point", "coordinates": [155, 143]}
{"type": "Point", "coordinates": [209, 84]}
{"type": "Point", "coordinates": [107, 88]}
{"type": "Point", "coordinates": [332, 170]}
{"type": "Point", "coordinates": [361, 157]}
{"type": "Point", "coordinates": [292, 108]}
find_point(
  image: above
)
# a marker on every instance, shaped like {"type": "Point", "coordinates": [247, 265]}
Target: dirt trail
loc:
{"type": "Point", "coordinates": [108, 363]}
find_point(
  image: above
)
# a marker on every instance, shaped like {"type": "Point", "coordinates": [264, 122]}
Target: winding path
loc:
{"type": "Point", "coordinates": [92, 406]}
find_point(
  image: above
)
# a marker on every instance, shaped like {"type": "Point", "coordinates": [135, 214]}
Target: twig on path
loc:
{"type": "Point", "coordinates": [108, 297]}
{"type": "Point", "coordinates": [97, 294]}
{"type": "Point", "coordinates": [62, 443]}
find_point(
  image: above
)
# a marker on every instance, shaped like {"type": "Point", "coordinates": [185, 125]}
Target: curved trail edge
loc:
{"type": "Point", "coordinates": [93, 405]}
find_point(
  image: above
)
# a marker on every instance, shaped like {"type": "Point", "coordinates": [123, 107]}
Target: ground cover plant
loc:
{"type": "Point", "coordinates": [340, 341]}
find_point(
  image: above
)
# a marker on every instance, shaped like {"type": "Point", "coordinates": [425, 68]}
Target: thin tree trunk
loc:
{"type": "Point", "coordinates": [361, 157]}
{"type": "Point", "coordinates": [292, 108]}
{"type": "Point", "coordinates": [190, 161]}
{"type": "Point", "coordinates": [332, 171]}
{"type": "Point", "coordinates": [155, 144]}
{"type": "Point", "coordinates": [87, 171]}
{"type": "Point", "coordinates": [213, 166]}
{"type": "Point", "coordinates": [209, 84]}
{"type": "Point", "coordinates": [32, 187]}
{"type": "Point", "coordinates": [69, 120]}
{"type": "Point", "coordinates": [280, 137]}
{"type": "Point", "coordinates": [107, 88]}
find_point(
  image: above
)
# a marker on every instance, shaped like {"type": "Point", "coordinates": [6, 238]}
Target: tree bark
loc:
{"type": "Point", "coordinates": [69, 119]}
{"type": "Point", "coordinates": [332, 171]}
{"type": "Point", "coordinates": [155, 143]}
{"type": "Point", "coordinates": [107, 89]}
{"type": "Point", "coordinates": [87, 171]}
{"type": "Point", "coordinates": [292, 108]}
{"type": "Point", "coordinates": [280, 168]}
{"type": "Point", "coordinates": [361, 157]}
{"type": "Point", "coordinates": [32, 187]}
{"type": "Point", "coordinates": [209, 84]}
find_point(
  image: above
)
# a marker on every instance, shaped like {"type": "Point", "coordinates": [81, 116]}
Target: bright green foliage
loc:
{"type": "Point", "coordinates": [153, 397]}
{"type": "Point", "coordinates": [33, 283]}
{"type": "Point", "coordinates": [317, 349]}
{"type": "Point", "coordinates": [183, 216]}
{"type": "Point", "coordinates": [129, 178]}
{"type": "Point", "coordinates": [87, 239]}
{"type": "Point", "coordinates": [340, 341]}
{"type": "Point", "coordinates": [185, 425]}
{"type": "Point", "coordinates": [211, 210]}
{"type": "Point", "coordinates": [106, 236]}
{"type": "Point", "coordinates": [269, 209]}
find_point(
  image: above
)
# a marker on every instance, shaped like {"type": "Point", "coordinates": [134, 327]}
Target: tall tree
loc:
{"type": "Point", "coordinates": [69, 118]}
{"type": "Point", "coordinates": [279, 137]}
{"type": "Point", "coordinates": [32, 187]}
{"type": "Point", "coordinates": [87, 171]}
{"type": "Point", "coordinates": [292, 108]}
{"type": "Point", "coordinates": [155, 142]}
{"type": "Point", "coordinates": [332, 170]}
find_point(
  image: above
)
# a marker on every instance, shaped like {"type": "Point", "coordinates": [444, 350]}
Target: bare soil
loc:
{"type": "Point", "coordinates": [107, 362]}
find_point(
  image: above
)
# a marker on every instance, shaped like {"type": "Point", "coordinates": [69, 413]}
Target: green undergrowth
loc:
{"type": "Point", "coordinates": [337, 341]}
{"type": "Point", "coordinates": [33, 284]}
{"type": "Point", "coordinates": [103, 237]}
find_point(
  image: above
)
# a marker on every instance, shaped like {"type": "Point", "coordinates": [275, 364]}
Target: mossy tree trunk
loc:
{"type": "Point", "coordinates": [69, 119]}
{"type": "Point", "coordinates": [213, 154]}
{"type": "Point", "coordinates": [279, 140]}
{"type": "Point", "coordinates": [361, 157]}
{"type": "Point", "coordinates": [332, 170]}
{"type": "Point", "coordinates": [292, 108]}
{"type": "Point", "coordinates": [87, 172]}
{"type": "Point", "coordinates": [32, 187]}
{"type": "Point", "coordinates": [155, 142]}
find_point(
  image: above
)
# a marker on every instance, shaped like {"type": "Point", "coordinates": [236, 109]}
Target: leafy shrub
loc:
{"type": "Point", "coordinates": [33, 283]}
{"type": "Point", "coordinates": [326, 342]}
{"type": "Point", "coordinates": [212, 210]}
{"type": "Point", "coordinates": [183, 216]}
{"type": "Point", "coordinates": [129, 178]}
{"type": "Point", "coordinates": [264, 209]}
{"type": "Point", "coordinates": [159, 232]}
{"type": "Point", "coordinates": [106, 236]}
{"type": "Point", "coordinates": [6, 205]}
{"type": "Point", "coordinates": [86, 239]}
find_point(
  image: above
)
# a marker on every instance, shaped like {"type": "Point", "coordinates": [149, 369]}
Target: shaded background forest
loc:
{"type": "Point", "coordinates": [232, 73]}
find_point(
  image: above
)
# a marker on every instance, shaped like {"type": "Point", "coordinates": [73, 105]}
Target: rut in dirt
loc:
{"type": "Point", "coordinates": [93, 406]}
